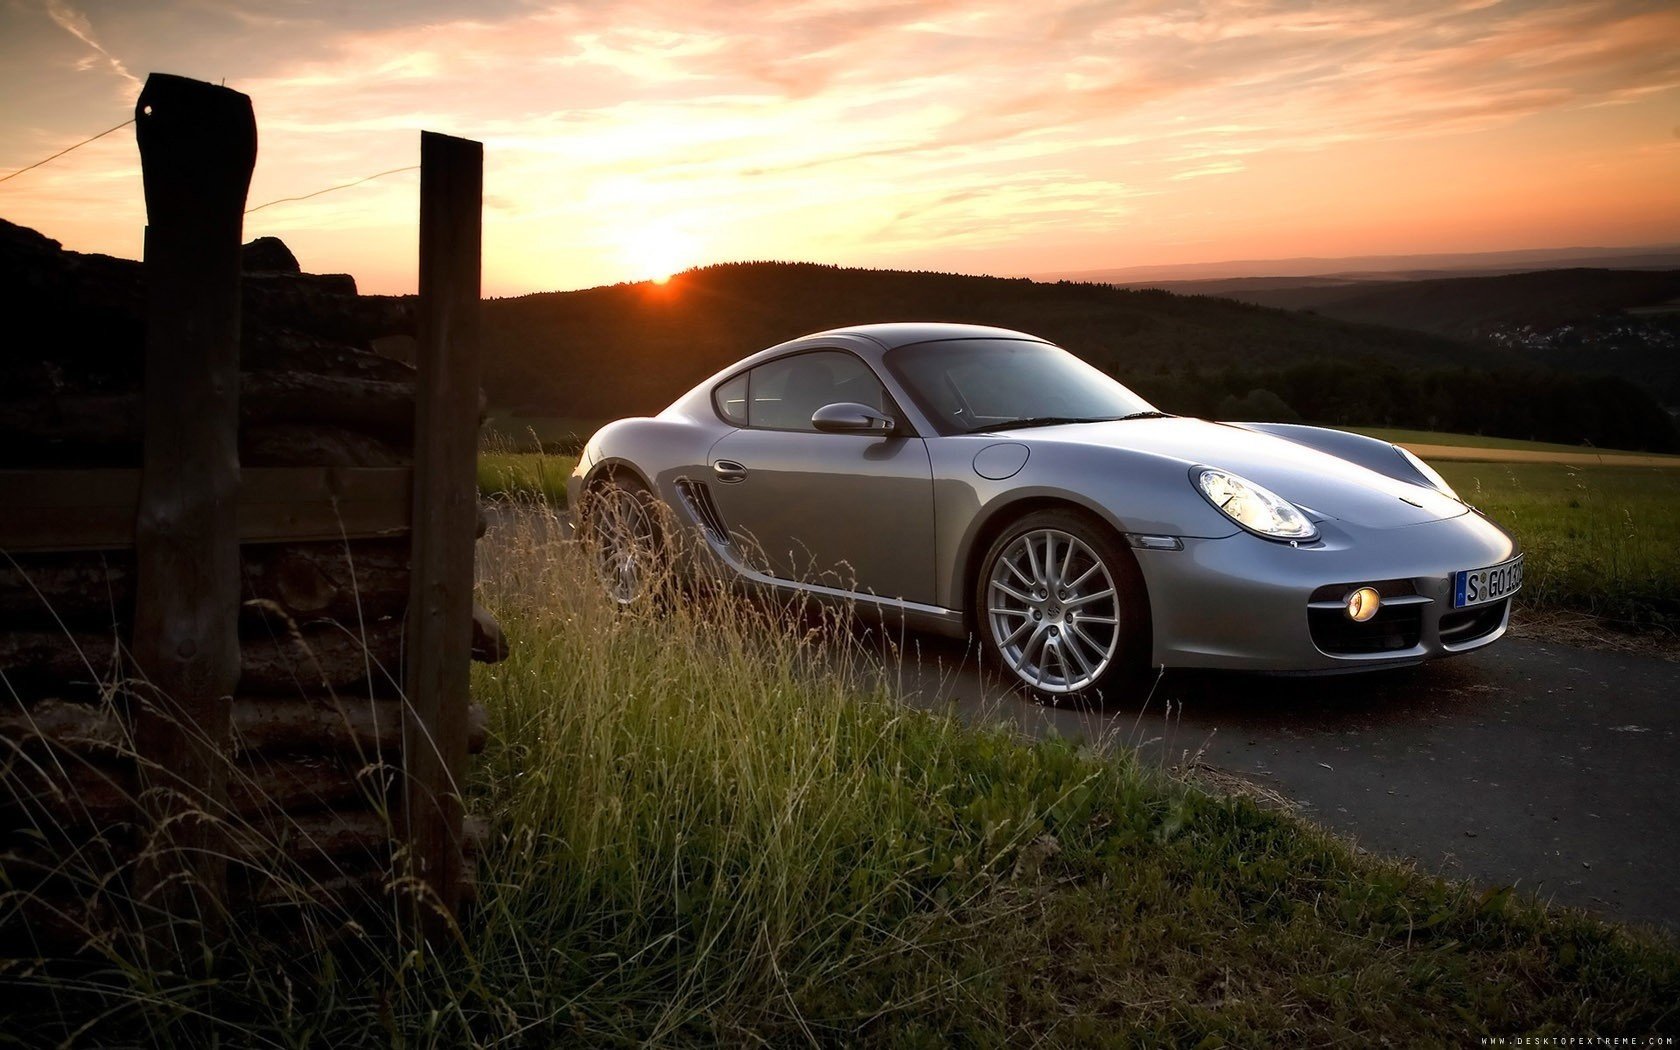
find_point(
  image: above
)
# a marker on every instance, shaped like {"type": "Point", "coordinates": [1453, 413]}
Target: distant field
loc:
{"type": "Point", "coordinates": [505, 432]}
{"type": "Point", "coordinates": [525, 474]}
{"type": "Point", "coordinates": [1480, 441]}
{"type": "Point", "coordinates": [1601, 539]}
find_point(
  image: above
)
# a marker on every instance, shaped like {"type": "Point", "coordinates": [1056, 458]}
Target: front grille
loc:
{"type": "Point", "coordinates": [1467, 625]}
{"type": "Point", "coordinates": [700, 504]}
{"type": "Point", "coordinates": [1393, 629]}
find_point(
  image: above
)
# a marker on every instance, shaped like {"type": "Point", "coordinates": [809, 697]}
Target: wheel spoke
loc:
{"type": "Point", "coordinates": [1067, 646]}
{"type": "Point", "coordinates": [1099, 651]}
{"type": "Point", "coordinates": [1086, 599]}
{"type": "Point", "coordinates": [1037, 640]}
{"type": "Point", "coordinates": [1019, 575]}
{"type": "Point", "coordinates": [1087, 574]}
{"type": "Point", "coordinates": [1086, 618]}
{"type": "Point", "coordinates": [1016, 633]}
{"type": "Point", "coordinates": [1032, 561]}
{"type": "Point", "coordinates": [1000, 611]}
{"type": "Point", "coordinates": [1012, 592]}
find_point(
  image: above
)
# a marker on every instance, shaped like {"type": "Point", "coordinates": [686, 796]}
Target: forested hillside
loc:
{"type": "Point", "coordinates": [630, 349]}
{"type": "Point", "coordinates": [1468, 307]}
{"type": "Point", "coordinates": [1623, 323]}
{"type": "Point", "coordinates": [633, 347]}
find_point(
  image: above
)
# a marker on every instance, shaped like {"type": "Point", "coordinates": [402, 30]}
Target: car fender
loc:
{"type": "Point", "coordinates": [1132, 492]}
{"type": "Point", "coordinates": [657, 451]}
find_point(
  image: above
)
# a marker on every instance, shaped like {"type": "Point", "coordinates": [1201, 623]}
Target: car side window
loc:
{"type": "Point", "coordinates": [783, 394]}
{"type": "Point", "coordinates": [730, 397]}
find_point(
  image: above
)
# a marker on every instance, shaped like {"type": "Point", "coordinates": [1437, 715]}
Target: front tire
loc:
{"type": "Point", "coordinates": [1061, 605]}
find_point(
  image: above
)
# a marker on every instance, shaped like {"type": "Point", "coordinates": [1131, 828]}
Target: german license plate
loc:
{"type": "Point", "coordinates": [1480, 586]}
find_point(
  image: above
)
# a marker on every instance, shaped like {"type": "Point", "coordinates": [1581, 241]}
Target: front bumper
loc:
{"type": "Point", "coordinates": [1242, 602]}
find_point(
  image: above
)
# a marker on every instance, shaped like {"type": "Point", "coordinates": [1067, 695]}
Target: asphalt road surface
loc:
{"type": "Point", "coordinates": [1546, 767]}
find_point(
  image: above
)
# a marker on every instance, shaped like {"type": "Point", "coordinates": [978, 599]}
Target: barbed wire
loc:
{"type": "Point", "coordinates": [67, 149]}
{"type": "Point", "coordinates": [329, 189]}
{"type": "Point", "coordinates": [248, 211]}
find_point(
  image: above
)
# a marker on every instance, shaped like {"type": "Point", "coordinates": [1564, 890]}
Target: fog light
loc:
{"type": "Point", "coordinates": [1363, 604]}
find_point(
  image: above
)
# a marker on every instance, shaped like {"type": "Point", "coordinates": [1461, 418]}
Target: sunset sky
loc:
{"type": "Point", "coordinates": [625, 140]}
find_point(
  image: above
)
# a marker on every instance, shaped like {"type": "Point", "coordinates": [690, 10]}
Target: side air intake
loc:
{"type": "Point", "coordinates": [700, 505]}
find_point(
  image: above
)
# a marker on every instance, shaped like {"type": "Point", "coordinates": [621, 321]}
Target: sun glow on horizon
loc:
{"type": "Point", "coordinates": [632, 142]}
{"type": "Point", "coordinates": [658, 252]}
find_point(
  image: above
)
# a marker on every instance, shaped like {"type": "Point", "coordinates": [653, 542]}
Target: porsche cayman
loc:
{"type": "Point", "coordinates": [980, 482]}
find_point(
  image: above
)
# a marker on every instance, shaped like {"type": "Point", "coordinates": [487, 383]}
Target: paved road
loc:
{"type": "Point", "coordinates": [1547, 767]}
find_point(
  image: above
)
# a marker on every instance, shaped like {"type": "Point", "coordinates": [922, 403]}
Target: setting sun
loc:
{"type": "Point", "coordinates": [656, 253]}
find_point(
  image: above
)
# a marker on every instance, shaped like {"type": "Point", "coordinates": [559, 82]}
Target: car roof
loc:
{"type": "Point", "coordinates": [870, 341]}
{"type": "Point", "coordinates": [904, 333]}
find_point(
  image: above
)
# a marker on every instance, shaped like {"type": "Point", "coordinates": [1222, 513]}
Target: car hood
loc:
{"type": "Point", "coordinates": [1315, 481]}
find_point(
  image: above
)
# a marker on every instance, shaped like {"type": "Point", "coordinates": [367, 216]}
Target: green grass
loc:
{"type": "Point", "coordinates": [526, 475]}
{"type": "Point", "coordinates": [1434, 437]}
{"type": "Point", "coordinates": [1601, 539]}
{"type": "Point", "coordinates": [509, 432]}
{"type": "Point", "coordinates": [708, 828]}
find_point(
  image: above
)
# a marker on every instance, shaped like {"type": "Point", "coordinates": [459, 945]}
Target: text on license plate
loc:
{"type": "Point", "coordinates": [1480, 586]}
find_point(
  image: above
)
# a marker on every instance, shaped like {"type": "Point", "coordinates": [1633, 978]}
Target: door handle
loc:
{"type": "Point", "coordinates": [729, 472]}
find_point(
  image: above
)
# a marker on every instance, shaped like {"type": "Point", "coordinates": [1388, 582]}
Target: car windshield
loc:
{"type": "Point", "coordinates": [970, 385]}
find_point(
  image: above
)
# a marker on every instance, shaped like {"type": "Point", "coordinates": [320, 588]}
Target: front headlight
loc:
{"type": "Point", "coordinates": [1254, 508]}
{"type": "Point", "coordinates": [1427, 471]}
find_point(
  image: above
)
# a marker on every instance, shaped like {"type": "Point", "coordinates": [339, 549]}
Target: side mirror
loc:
{"type": "Point", "coordinates": [848, 417]}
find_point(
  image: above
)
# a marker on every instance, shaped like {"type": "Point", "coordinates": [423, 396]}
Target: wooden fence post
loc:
{"type": "Point", "coordinates": [198, 143]}
{"type": "Point", "coordinates": [439, 638]}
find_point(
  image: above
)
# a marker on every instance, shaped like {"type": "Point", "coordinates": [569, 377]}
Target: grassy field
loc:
{"type": "Point", "coordinates": [708, 828]}
{"type": "Point", "coordinates": [1600, 539]}
{"type": "Point", "coordinates": [507, 432]}
{"type": "Point", "coordinates": [708, 831]}
{"type": "Point", "coordinates": [1434, 437]}
{"type": "Point", "coordinates": [525, 475]}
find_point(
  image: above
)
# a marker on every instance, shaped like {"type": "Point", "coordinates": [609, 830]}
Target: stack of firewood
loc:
{"type": "Point", "coordinates": [315, 764]}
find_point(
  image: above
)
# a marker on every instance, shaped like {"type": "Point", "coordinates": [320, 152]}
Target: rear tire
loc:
{"type": "Point", "coordinates": [1061, 605]}
{"type": "Point", "coordinates": [622, 524]}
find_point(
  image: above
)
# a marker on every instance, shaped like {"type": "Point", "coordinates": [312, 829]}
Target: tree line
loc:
{"type": "Point", "coordinates": [1532, 404]}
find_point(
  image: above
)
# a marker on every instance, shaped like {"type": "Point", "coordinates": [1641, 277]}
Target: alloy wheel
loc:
{"type": "Point", "coordinates": [1054, 611]}
{"type": "Point", "coordinates": [624, 543]}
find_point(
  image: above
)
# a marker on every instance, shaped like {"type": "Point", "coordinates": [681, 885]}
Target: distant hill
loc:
{"type": "Point", "coordinates": [632, 348]}
{"type": "Point", "coordinates": [1469, 307]}
{"type": "Point", "coordinates": [1384, 267]}
{"type": "Point", "coordinates": [1622, 323]}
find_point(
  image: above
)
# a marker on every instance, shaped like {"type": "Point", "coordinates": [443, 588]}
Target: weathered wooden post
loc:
{"type": "Point", "coordinates": [439, 635]}
{"type": "Point", "coordinates": [198, 143]}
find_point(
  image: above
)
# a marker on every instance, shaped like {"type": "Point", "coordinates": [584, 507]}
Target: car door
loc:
{"type": "Point", "coordinates": [847, 510]}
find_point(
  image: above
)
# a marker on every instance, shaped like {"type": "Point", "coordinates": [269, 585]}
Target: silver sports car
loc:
{"type": "Point", "coordinates": [981, 482]}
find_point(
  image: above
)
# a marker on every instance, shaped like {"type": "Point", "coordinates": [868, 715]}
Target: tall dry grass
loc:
{"type": "Point", "coordinates": [711, 826]}
{"type": "Point", "coordinates": [722, 823]}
